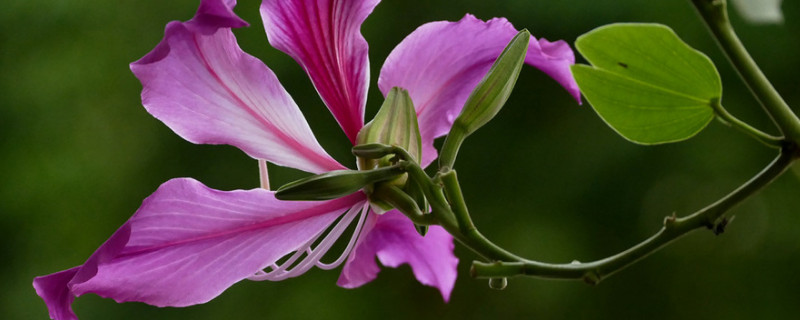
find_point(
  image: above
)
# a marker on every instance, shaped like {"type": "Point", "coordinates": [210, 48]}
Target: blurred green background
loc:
{"type": "Point", "coordinates": [547, 179]}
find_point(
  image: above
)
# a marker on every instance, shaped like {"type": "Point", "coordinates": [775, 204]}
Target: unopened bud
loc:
{"type": "Point", "coordinates": [488, 97]}
{"type": "Point", "coordinates": [394, 196]}
{"type": "Point", "coordinates": [492, 92]}
{"type": "Point", "coordinates": [414, 190]}
{"type": "Point", "coordinates": [335, 184]}
{"type": "Point", "coordinates": [372, 150]}
{"type": "Point", "coordinates": [395, 124]}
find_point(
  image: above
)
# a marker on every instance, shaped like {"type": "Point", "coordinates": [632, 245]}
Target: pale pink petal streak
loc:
{"type": "Point", "coordinates": [440, 63]}
{"type": "Point", "coordinates": [394, 240]}
{"type": "Point", "coordinates": [324, 37]}
{"type": "Point", "coordinates": [206, 89]}
{"type": "Point", "coordinates": [187, 243]}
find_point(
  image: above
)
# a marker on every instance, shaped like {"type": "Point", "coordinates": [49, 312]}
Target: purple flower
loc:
{"type": "Point", "coordinates": [187, 243]}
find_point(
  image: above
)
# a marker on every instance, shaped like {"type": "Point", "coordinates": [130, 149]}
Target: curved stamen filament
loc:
{"type": "Point", "coordinates": [263, 174]}
{"type": "Point", "coordinates": [363, 212]}
{"type": "Point", "coordinates": [311, 256]}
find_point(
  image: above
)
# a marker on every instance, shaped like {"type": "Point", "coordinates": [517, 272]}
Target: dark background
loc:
{"type": "Point", "coordinates": [547, 178]}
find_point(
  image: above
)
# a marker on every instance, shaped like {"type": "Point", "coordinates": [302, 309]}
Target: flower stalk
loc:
{"type": "Point", "coordinates": [711, 217]}
{"type": "Point", "coordinates": [715, 15]}
{"type": "Point", "coordinates": [729, 119]}
{"type": "Point", "coordinates": [451, 213]}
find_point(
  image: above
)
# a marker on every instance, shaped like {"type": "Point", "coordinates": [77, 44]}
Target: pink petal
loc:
{"type": "Point", "coordinates": [324, 37]}
{"type": "Point", "coordinates": [394, 240]}
{"type": "Point", "coordinates": [55, 293]}
{"type": "Point", "coordinates": [440, 63]}
{"type": "Point", "coordinates": [206, 89]}
{"type": "Point", "coordinates": [214, 14]}
{"type": "Point", "coordinates": [187, 243]}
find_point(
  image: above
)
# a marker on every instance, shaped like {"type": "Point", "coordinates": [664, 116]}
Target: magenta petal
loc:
{"type": "Point", "coordinates": [187, 243]}
{"type": "Point", "coordinates": [206, 89]}
{"type": "Point", "coordinates": [55, 293]}
{"type": "Point", "coordinates": [324, 37]}
{"type": "Point", "coordinates": [394, 240]}
{"type": "Point", "coordinates": [360, 267]}
{"type": "Point", "coordinates": [214, 14]}
{"type": "Point", "coordinates": [440, 63]}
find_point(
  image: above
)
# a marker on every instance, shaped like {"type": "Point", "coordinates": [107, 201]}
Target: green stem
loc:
{"type": "Point", "coordinates": [454, 218]}
{"type": "Point", "coordinates": [453, 192]}
{"type": "Point", "coordinates": [433, 192]}
{"type": "Point", "coordinates": [724, 115]}
{"type": "Point", "coordinates": [714, 13]}
{"type": "Point", "coordinates": [472, 238]}
{"type": "Point", "coordinates": [453, 141]}
{"type": "Point", "coordinates": [674, 228]}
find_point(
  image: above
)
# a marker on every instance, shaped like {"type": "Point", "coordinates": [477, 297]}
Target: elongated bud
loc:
{"type": "Point", "coordinates": [398, 199]}
{"type": "Point", "coordinates": [393, 196]}
{"type": "Point", "coordinates": [488, 97]}
{"type": "Point", "coordinates": [335, 184]}
{"type": "Point", "coordinates": [379, 151]}
{"type": "Point", "coordinates": [491, 94]}
{"type": "Point", "coordinates": [372, 150]}
{"type": "Point", "coordinates": [413, 189]}
{"type": "Point", "coordinates": [394, 125]}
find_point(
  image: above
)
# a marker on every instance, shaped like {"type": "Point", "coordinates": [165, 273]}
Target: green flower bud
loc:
{"type": "Point", "coordinates": [394, 125]}
{"type": "Point", "coordinates": [373, 150]}
{"type": "Point", "coordinates": [414, 190]}
{"type": "Point", "coordinates": [396, 198]}
{"type": "Point", "coordinates": [335, 184]}
{"type": "Point", "coordinates": [488, 97]}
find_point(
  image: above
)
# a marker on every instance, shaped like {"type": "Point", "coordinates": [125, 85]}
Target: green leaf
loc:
{"type": "Point", "coordinates": [646, 83]}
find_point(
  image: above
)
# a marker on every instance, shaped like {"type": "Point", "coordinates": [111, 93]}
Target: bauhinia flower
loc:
{"type": "Point", "coordinates": [187, 242]}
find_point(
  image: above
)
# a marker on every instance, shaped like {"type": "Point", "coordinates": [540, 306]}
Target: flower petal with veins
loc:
{"type": "Point", "coordinates": [441, 62]}
{"type": "Point", "coordinates": [187, 243]}
{"type": "Point", "coordinates": [206, 89]}
{"type": "Point", "coordinates": [394, 240]}
{"type": "Point", "coordinates": [324, 37]}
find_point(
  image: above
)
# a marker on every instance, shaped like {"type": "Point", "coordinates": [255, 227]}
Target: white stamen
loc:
{"type": "Point", "coordinates": [276, 271]}
{"type": "Point", "coordinates": [311, 256]}
{"type": "Point", "coordinates": [350, 244]}
{"type": "Point", "coordinates": [323, 246]}
{"type": "Point", "coordinates": [263, 174]}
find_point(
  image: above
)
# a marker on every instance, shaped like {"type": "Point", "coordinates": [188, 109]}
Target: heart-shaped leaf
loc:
{"type": "Point", "coordinates": [646, 83]}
